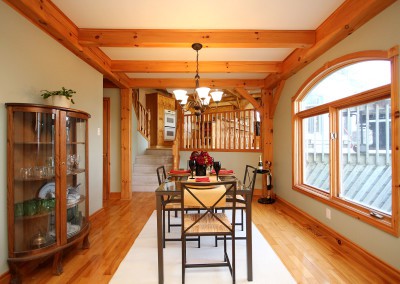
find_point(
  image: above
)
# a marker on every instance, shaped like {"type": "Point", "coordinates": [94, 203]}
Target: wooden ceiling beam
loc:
{"type": "Point", "coordinates": [164, 66]}
{"type": "Point", "coordinates": [190, 83]}
{"type": "Point", "coordinates": [50, 19]}
{"type": "Point", "coordinates": [277, 94]}
{"type": "Point", "coordinates": [351, 15]}
{"type": "Point", "coordinates": [244, 94]}
{"type": "Point", "coordinates": [185, 38]}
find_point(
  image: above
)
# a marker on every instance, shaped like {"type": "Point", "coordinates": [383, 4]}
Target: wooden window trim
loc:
{"type": "Point", "coordinates": [387, 223]}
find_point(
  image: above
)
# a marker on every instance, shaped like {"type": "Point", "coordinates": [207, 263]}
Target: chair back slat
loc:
{"type": "Point", "coordinates": [249, 179]}
{"type": "Point", "coordinates": [200, 198]}
{"type": "Point", "coordinates": [161, 174]}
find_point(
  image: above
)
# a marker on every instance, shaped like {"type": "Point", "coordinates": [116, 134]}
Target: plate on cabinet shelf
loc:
{"type": "Point", "coordinates": [48, 191]}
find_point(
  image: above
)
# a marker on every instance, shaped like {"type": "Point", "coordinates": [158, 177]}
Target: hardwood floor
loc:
{"type": "Point", "coordinates": [309, 255]}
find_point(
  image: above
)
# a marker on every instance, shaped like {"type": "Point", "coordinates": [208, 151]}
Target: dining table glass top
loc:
{"type": "Point", "coordinates": [171, 186]}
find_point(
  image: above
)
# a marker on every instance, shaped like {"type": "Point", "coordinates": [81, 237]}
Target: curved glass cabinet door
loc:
{"type": "Point", "coordinates": [32, 143]}
{"type": "Point", "coordinates": [76, 155]}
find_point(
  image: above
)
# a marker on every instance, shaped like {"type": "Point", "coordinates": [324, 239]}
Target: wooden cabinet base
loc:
{"type": "Point", "coordinates": [22, 265]}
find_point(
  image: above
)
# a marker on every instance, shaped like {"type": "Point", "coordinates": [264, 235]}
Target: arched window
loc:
{"type": "Point", "coordinates": [343, 135]}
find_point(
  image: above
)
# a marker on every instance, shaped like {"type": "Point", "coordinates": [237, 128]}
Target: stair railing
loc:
{"type": "Point", "coordinates": [237, 130]}
{"type": "Point", "coordinates": [143, 117]}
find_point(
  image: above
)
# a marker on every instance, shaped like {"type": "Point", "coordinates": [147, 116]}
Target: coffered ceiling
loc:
{"type": "Point", "coordinates": [247, 45]}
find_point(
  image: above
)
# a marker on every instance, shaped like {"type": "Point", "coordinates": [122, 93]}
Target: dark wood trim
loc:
{"type": "Point", "coordinates": [5, 278]}
{"type": "Point", "coordinates": [115, 195]}
{"type": "Point", "coordinates": [106, 147]}
{"type": "Point", "coordinates": [96, 215]}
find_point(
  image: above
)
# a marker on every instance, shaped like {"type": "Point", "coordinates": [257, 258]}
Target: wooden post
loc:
{"type": "Point", "coordinates": [267, 131]}
{"type": "Point", "coordinates": [178, 136]}
{"type": "Point", "coordinates": [126, 144]}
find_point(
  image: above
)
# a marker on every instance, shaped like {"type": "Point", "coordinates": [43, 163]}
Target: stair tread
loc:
{"type": "Point", "coordinates": [144, 169]}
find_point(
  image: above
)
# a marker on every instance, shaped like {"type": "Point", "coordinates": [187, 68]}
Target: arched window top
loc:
{"type": "Point", "coordinates": [347, 81]}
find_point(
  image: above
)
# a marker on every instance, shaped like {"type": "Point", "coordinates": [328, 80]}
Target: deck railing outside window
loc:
{"type": "Point", "coordinates": [230, 130]}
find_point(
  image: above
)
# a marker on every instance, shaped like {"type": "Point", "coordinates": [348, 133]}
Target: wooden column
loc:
{"type": "Point", "coordinates": [267, 130]}
{"type": "Point", "coordinates": [126, 144]}
{"type": "Point", "coordinates": [178, 139]}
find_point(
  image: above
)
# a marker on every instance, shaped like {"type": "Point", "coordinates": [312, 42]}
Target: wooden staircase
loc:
{"type": "Point", "coordinates": [144, 176]}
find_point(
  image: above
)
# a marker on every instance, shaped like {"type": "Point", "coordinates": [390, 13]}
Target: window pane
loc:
{"type": "Point", "coordinates": [347, 81]}
{"type": "Point", "coordinates": [366, 155]}
{"type": "Point", "coordinates": [316, 151]}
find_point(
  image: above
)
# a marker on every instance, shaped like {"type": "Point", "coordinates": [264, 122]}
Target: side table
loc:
{"type": "Point", "coordinates": [268, 199]}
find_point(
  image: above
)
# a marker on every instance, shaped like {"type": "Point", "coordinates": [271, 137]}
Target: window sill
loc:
{"type": "Point", "coordinates": [382, 221]}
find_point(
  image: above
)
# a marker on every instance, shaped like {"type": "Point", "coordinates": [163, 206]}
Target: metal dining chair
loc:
{"type": "Point", "coordinates": [168, 204]}
{"type": "Point", "coordinates": [249, 181]}
{"type": "Point", "coordinates": [207, 197]}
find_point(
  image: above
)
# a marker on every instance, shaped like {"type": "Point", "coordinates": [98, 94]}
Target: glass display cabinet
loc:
{"type": "Point", "coordinates": [47, 183]}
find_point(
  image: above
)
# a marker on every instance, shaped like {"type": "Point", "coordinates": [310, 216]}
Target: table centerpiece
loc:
{"type": "Point", "coordinates": [203, 160]}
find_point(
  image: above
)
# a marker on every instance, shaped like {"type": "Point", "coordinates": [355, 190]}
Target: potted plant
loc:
{"type": "Point", "coordinates": [61, 97]}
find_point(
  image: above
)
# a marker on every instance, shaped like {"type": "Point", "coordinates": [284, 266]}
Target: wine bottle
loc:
{"type": "Point", "coordinates": [260, 164]}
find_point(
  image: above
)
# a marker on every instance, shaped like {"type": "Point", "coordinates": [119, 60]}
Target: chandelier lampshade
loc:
{"type": "Point", "coordinates": [206, 101]}
{"type": "Point", "coordinates": [179, 94]}
{"type": "Point", "coordinates": [217, 96]}
{"type": "Point", "coordinates": [202, 92]}
{"type": "Point", "coordinates": [184, 100]}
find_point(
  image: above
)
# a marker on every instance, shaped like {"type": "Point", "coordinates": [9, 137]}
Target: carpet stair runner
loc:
{"type": "Point", "coordinates": [144, 177]}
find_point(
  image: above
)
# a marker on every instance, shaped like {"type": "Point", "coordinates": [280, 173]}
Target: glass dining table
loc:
{"type": "Point", "coordinates": [171, 188]}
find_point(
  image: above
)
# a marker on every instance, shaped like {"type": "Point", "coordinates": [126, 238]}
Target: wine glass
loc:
{"type": "Point", "coordinates": [192, 166]}
{"type": "Point", "coordinates": [77, 160]}
{"type": "Point", "coordinates": [217, 167]}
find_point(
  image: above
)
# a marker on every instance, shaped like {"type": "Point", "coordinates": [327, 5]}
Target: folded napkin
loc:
{"type": "Point", "coordinates": [203, 179]}
{"type": "Point", "coordinates": [179, 172]}
{"type": "Point", "coordinates": [223, 172]}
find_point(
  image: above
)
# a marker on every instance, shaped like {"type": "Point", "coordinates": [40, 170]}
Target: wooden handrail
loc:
{"type": "Point", "coordinates": [143, 116]}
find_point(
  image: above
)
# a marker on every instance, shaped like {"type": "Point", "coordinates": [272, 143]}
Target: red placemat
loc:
{"type": "Point", "coordinates": [223, 172]}
{"type": "Point", "coordinates": [202, 179]}
{"type": "Point", "coordinates": [179, 172]}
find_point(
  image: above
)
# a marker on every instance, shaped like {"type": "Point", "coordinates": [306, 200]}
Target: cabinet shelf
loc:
{"type": "Point", "coordinates": [36, 216]}
{"type": "Point", "coordinates": [75, 171]}
{"type": "Point", "coordinates": [76, 202]}
{"type": "Point", "coordinates": [31, 179]}
{"type": "Point", "coordinates": [33, 143]}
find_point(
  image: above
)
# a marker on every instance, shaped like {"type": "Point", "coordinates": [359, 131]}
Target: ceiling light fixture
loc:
{"type": "Point", "coordinates": [201, 98]}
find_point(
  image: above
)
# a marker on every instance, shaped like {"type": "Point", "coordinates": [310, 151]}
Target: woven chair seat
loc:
{"type": "Point", "coordinates": [208, 224]}
{"type": "Point", "coordinates": [172, 205]}
{"type": "Point", "coordinates": [229, 204]}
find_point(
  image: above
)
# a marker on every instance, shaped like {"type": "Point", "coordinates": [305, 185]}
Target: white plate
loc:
{"type": "Point", "coordinates": [48, 188]}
